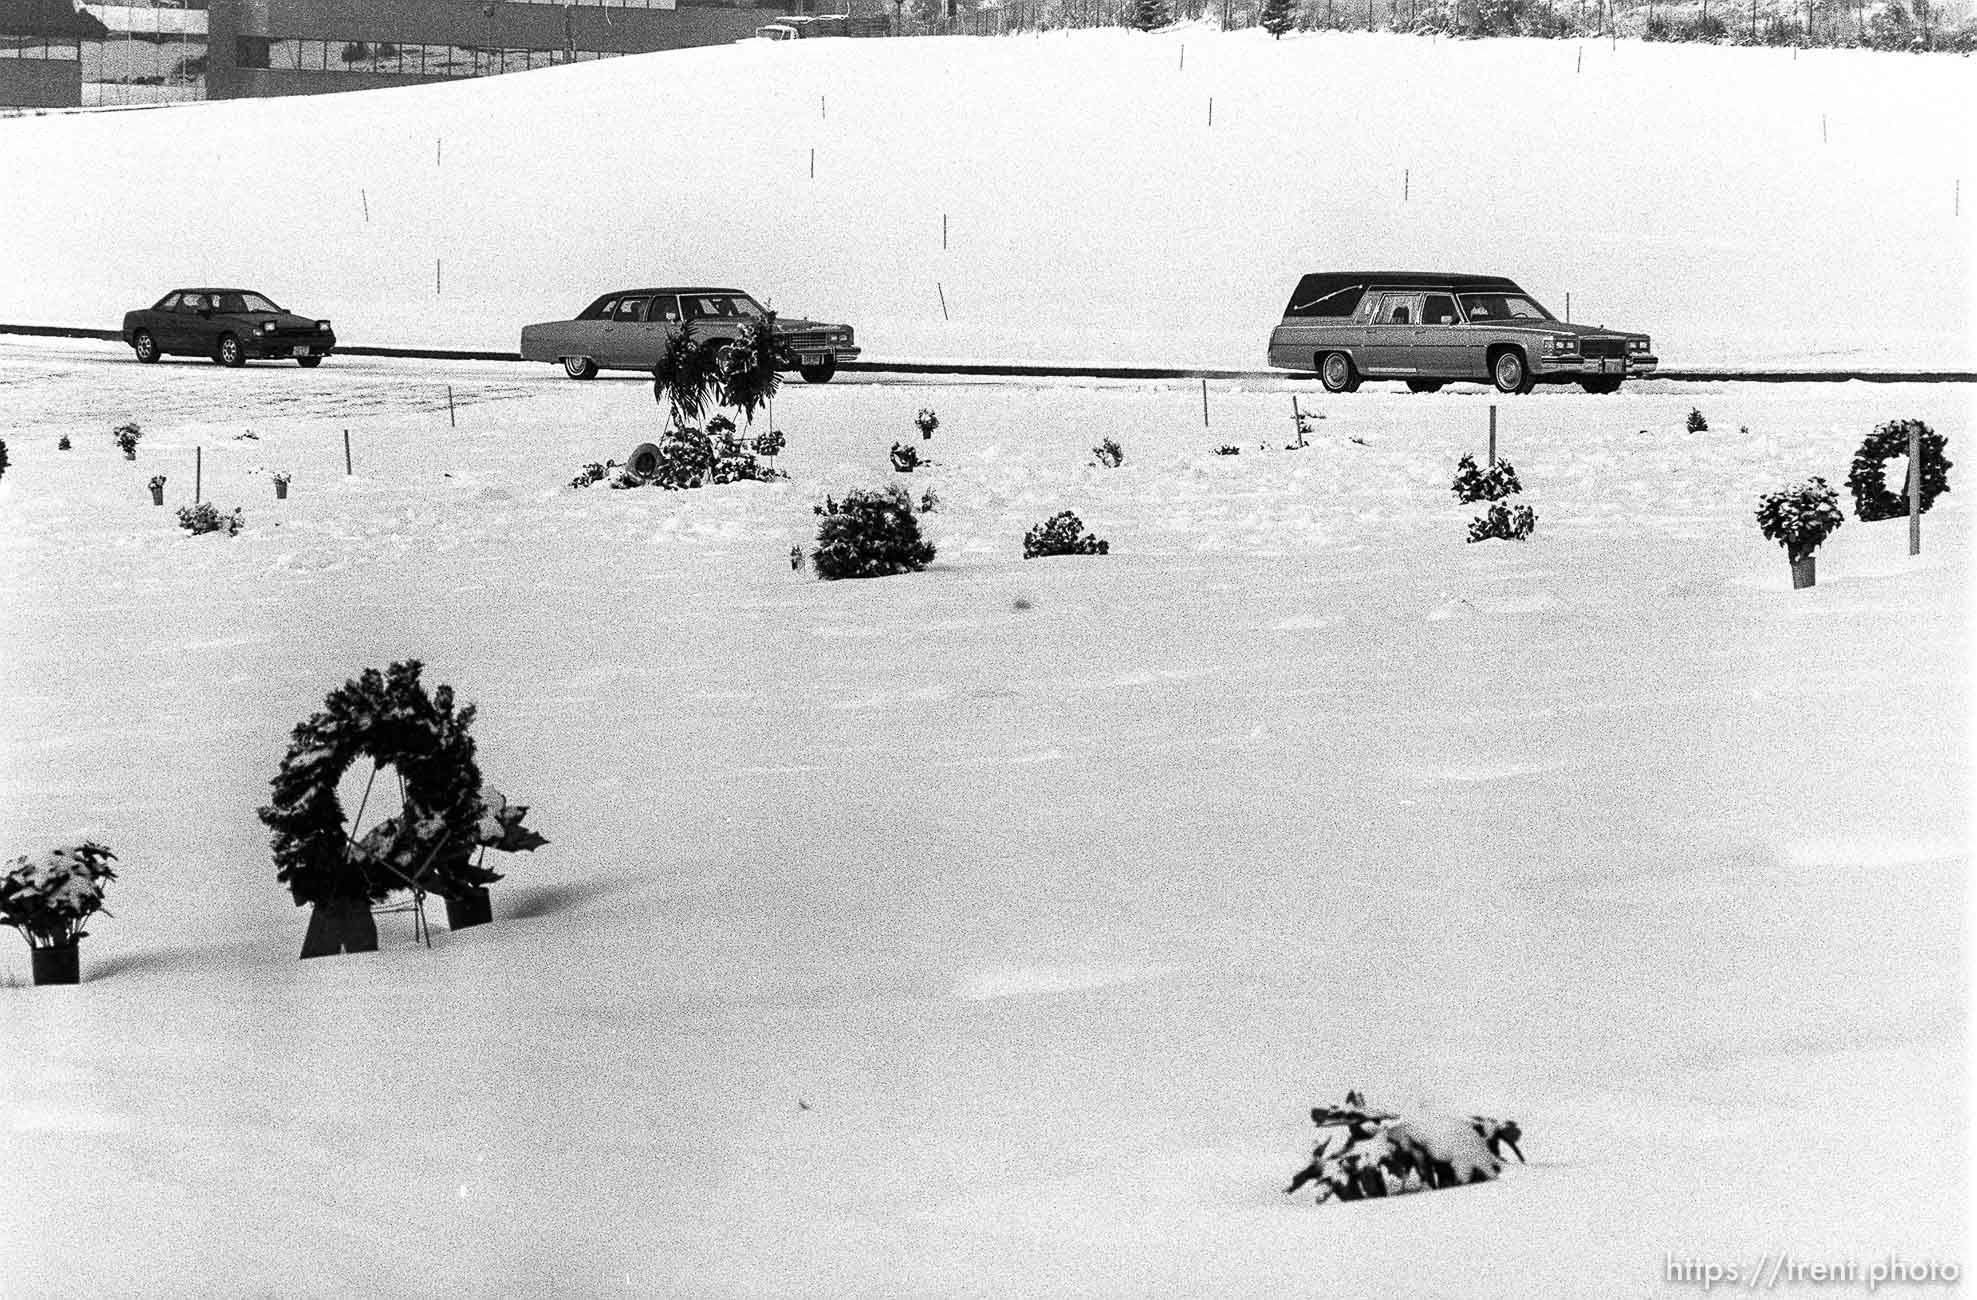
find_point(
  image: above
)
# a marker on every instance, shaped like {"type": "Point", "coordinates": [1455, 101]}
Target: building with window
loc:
{"type": "Point", "coordinates": [153, 51]}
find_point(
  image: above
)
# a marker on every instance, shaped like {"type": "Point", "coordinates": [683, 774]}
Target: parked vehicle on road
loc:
{"type": "Point", "coordinates": [232, 326]}
{"type": "Point", "coordinates": [627, 330]}
{"type": "Point", "coordinates": [1431, 329]}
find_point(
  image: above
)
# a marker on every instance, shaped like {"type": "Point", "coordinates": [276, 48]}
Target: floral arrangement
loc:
{"type": "Point", "coordinates": [1493, 484]}
{"type": "Point", "coordinates": [206, 518]}
{"type": "Point", "coordinates": [1506, 522]}
{"type": "Point", "coordinates": [1867, 478]}
{"type": "Point", "coordinates": [281, 477]}
{"type": "Point", "coordinates": [48, 897]}
{"type": "Point", "coordinates": [927, 422]}
{"type": "Point", "coordinates": [1800, 517]}
{"type": "Point", "coordinates": [1698, 423]}
{"type": "Point", "coordinates": [906, 459]}
{"type": "Point", "coordinates": [62, 444]}
{"type": "Point", "coordinates": [157, 482]}
{"type": "Point", "coordinates": [929, 501]}
{"type": "Point", "coordinates": [1109, 454]}
{"type": "Point", "coordinates": [594, 472]}
{"type": "Point", "coordinates": [1228, 449]}
{"type": "Point", "coordinates": [1062, 534]}
{"type": "Point", "coordinates": [126, 436]}
{"type": "Point", "coordinates": [869, 534]}
{"type": "Point", "coordinates": [3, 458]}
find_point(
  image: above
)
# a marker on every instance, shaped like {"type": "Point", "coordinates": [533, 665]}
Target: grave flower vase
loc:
{"type": "Point", "coordinates": [472, 908]}
{"type": "Point", "coordinates": [61, 964]}
{"type": "Point", "coordinates": [339, 926]}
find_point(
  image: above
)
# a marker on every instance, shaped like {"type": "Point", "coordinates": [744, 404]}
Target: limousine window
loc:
{"type": "Point", "coordinates": [1502, 306]}
{"type": "Point", "coordinates": [1397, 309]}
{"type": "Point", "coordinates": [631, 309]}
{"type": "Point", "coordinates": [599, 310]}
{"type": "Point", "coordinates": [1439, 310]}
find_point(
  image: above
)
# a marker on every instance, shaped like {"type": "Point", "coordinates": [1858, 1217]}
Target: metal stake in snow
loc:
{"type": "Point", "coordinates": [813, 164]}
{"type": "Point", "coordinates": [943, 299]}
{"type": "Point", "coordinates": [1184, 59]}
{"type": "Point", "coordinates": [943, 232]}
{"type": "Point", "coordinates": [1914, 488]}
{"type": "Point", "coordinates": [436, 144]}
{"type": "Point", "coordinates": [367, 205]}
{"type": "Point", "coordinates": [1406, 183]}
{"type": "Point", "coordinates": [346, 453]}
{"type": "Point", "coordinates": [198, 466]}
{"type": "Point", "coordinates": [451, 423]}
{"type": "Point", "coordinates": [1582, 60]}
{"type": "Point", "coordinates": [1204, 403]}
{"type": "Point", "coordinates": [1568, 306]}
{"type": "Point", "coordinates": [435, 277]}
{"type": "Point", "coordinates": [1492, 459]}
{"type": "Point", "coordinates": [1211, 110]}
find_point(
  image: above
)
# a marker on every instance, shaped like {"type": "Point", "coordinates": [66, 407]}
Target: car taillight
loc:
{"type": "Point", "coordinates": [322, 326]}
{"type": "Point", "coordinates": [1637, 345]}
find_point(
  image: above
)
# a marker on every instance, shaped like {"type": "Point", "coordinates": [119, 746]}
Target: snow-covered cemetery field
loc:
{"type": "Point", "coordinates": [992, 930]}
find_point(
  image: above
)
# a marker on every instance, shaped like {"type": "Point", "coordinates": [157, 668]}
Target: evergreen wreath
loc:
{"type": "Point", "coordinates": [1867, 479]}
{"type": "Point", "coordinates": [389, 718]}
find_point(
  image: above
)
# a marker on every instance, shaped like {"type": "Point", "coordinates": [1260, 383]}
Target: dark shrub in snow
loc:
{"type": "Point", "coordinates": [1698, 423]}
{"type": "Point", "coordinates": [593, 473]}
{"type": "Point", "coordinates": [927, 422]}
{"type": "Point", "coordinates": [206, 518]}
{"type": "Point", "coordinates": [1800, 517]}
{"type": "Point", "coordinates": [63, 444]}
{"type": "Point", "coordinates": [126, 436]}
{"type": "Point", "coordinates": [1062, 534]}
{"type": "Point", "coordinates": [869, 534]}
{"type": "Point", "coordinates": [1511, 523]}
{"type": "Point", "coordinates": [1494, 484]}
{"type": "Point", "coordinates": [3, 458]}
{"type": "Point", "coordinates": [1109, 454]}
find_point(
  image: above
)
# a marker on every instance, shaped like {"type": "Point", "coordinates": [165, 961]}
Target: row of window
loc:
{"type": "Point", "coordinates": [396, 57]}
{"type": "Point", "coordinates": [41, 47]}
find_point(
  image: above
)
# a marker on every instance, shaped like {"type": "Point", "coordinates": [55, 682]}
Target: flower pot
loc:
{"type": "Point", "coordinates": [342, 925]}
{"type": "Point", "coordinates": [281, 490]}
{"type": "Point", "coordinates": [157, 496]}
{"type": "Point", "coordinates": [471, 908]}
{"type": "Point", "coordinates": [1802, 573]}
{"type": "Point", "coordinates": [58, 965]}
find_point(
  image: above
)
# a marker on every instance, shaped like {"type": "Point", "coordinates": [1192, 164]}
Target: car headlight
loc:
{"type": "Point", "coordinates": [322, 327]}
{"type": "Point", "coordinates": [1556, 344]}
{"type": "Point", "coordinates": [267, 327]}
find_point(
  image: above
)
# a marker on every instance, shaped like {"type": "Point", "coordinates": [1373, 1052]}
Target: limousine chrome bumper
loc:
{"type": "Point", "coordinates": [1629, 367]}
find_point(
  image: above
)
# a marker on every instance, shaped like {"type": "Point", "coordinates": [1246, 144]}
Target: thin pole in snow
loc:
{"type": "Point", "coordinates": [346, 454]}
{"type": "Point", "coordinates": [435, 277]}
{"type": "Point", "coordinates": [1582, 60]}
{"type": "Point", "coordinates": [1211, 110]}
{"type": "Point", "coordinates": [1184, 58]}
{"type": "Point", "coordinates": [1204, 403]}
{"type": "Point", "coordinates": [1406, 183]}
{"type": "Point", "coordinates": [1492, 433]}
{"type": "Point", "coordinates": [943, 299]}
{"type": "Point", "coordinates": [365, 196]}
{"type": "Point", "coordinates": [1822, 128]}
{"type": "Point", "coordinates": [1914, 488]}
{"type": "Point", "coordinates": [198, 467]}
{"type": "Point", "coordinates": [451, 423]}
{"type": "Point", "coordinates": [437, 144]}
{"type": "Point", "coordinates": [823, 107]}
{"type": "Point", "coordinates": [813, 164]}
{"type": "Point", "coordinates": [943, 232]}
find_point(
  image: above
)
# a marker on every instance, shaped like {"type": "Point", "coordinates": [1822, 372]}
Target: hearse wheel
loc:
{"type": "Point", "coordinates": [818, 374]}
{"type": "Point", "coordinates": [1336, 371]}
{"type": "Point", "coordinates": [145, 346]}
{"type": "Point", "coordinates": [1425, 385]}
{"type": "Point", "coordinates": [309, 362]}
{"type": "Point", "coordinates": [1509, 373]}
{"type": "Point", "coordinates": [580, 367]}
{"type": "Point", "coordinates": [1600, 385]}
{"type": "Point", "coordinates": [229, 352]}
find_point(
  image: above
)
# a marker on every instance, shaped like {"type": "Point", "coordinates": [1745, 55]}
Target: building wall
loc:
{"type": "Point", "coordinates": [40, 83]}
{"type": "Point", "coordinates": [591, 30]}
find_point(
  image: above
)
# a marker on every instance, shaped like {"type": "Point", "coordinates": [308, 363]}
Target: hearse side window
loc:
{"type": "Point", "coordinates": [630, 309]}
{"type": "Point", "coordinates": [664, 308]}
{"type": "Point", "coordinates": [1439, 309]}
{"type": "Point", "coordinates": [1325, 299]}
{"type": "Point", "coordinates": [600, 310]}
{"type": "Point", "coordinates": [1397, 309]}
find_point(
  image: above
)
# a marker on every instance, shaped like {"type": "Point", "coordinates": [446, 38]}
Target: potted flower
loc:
{"type": "Point", "coordinates": [157, 489]}
{"type": "Point", "coordinates": [1799, 518]}
{"type": "Point", "coordinates": [48, 896]}
{"type": "Point", "coordinates": [126, 436]}
{"type": "Point", "coordinates": [281, 477]}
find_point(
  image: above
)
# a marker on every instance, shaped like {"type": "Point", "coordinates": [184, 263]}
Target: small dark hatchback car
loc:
{"type": "Point", "coordinates": [1432, 329]}
{"type": "Point", "coordinates": [229, 325]}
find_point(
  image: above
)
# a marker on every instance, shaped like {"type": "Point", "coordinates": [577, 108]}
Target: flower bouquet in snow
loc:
{"type": "Point", "coordinates": [1799, 518]}
{"type": "Point", "coordinates": [48, 897]}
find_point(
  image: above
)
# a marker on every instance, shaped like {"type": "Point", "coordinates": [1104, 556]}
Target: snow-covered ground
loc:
{"type": "Point", "coordinates": [989, 931]}
{"type": "Point", "coordinates": [1742, 205]}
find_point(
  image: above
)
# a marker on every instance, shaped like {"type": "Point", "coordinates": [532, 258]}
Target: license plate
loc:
{"type": "Point", "coordinates": [1611, 366]}
{"type": "Point", "coordinates": [302, 351]}
{"type": "Point", "coordinates": [813, 358]}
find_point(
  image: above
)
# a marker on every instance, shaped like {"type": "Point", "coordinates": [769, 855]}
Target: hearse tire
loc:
{"type": "Point", "coordinates": [580, 367]}
{"type": "Point", "coordinates": [1509, 373]}
{"type": "Point", "coordinates": [818, 374]}
{"type": "Point", "coordinates": [1337, 373]}
{"type": "Point", "coordinates": [309, 363]}
{"type": "Point", "coordinates": [1600, 385]}
{"type": "Point", "coordinates": [1424, 385]}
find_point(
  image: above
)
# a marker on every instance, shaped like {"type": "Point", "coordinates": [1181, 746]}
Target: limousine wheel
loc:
{"type": "Point", "coordinates": [1509, 373]}
{"type": "Point", "coordinates": [145, 346]}
{"type": "Point", "coordinates": [580, 367]}
{"type": "Point", "coordinates": [818, 374]}
{"type": "Point", "coordinates": [1336, 371]}
{"type": "Point", "coordinates": [1424, 385]}
{"type": "Point", "coordinates": [1600, 385]}
{"type": "Point", "coordinates": [229, 352]}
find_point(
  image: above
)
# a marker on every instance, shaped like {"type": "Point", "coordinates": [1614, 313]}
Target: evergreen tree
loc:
{"type": "Point", "coordinates": [1279, 16]}
{"type": "Point", "coordinates": [1149, 14]}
